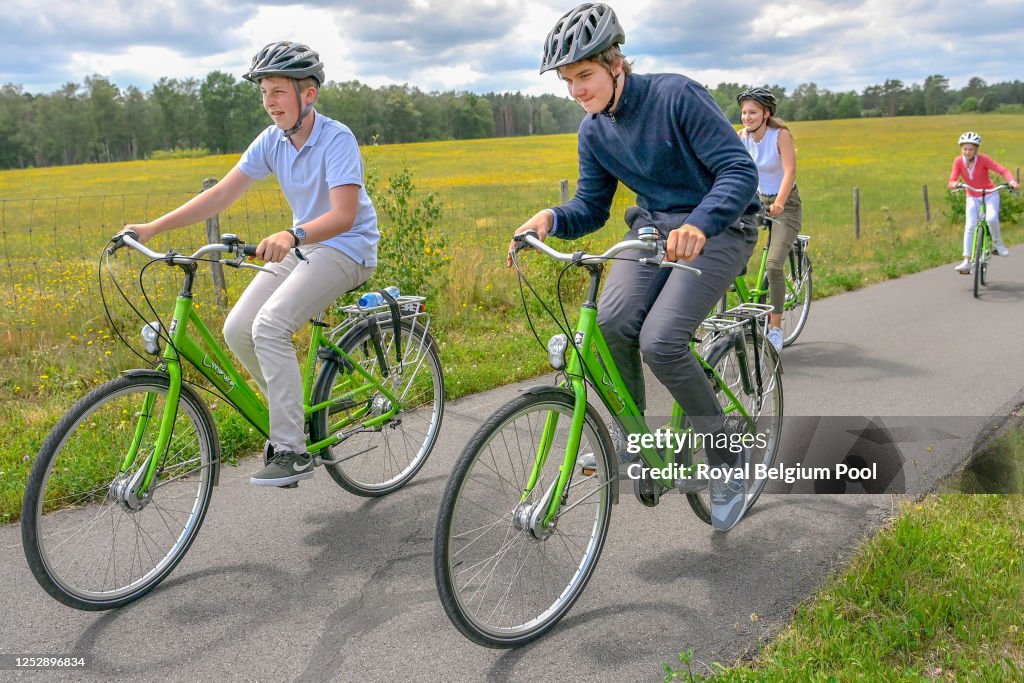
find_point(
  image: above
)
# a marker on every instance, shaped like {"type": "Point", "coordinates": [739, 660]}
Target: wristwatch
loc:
{"type": "Point", "coordinates": [298, 233]}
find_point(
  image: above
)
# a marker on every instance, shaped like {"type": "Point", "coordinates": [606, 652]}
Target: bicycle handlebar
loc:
{"type": "Point", "coordinates": [231, 244]}
{"type": "Point", "coordinates": [656, 246]}
{"type": "Point", "coordinates": [997, 188]}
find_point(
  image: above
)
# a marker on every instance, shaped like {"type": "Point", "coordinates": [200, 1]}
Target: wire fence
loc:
{"type": "Point", "coordinates": [49, 246]}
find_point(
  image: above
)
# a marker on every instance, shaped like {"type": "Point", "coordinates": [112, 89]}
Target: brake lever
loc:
{"type": "Point", "coordinates": [659, 261]}
{"type": "Point", "coordinates": [117, 241]}
{"type": "Point", "coordinates": [250, 265]}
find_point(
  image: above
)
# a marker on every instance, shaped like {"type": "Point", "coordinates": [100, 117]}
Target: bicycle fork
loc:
{"type": "Point", "coordinates": [133, 491]}
{"type": "Point", "coordinates": [541, 517]}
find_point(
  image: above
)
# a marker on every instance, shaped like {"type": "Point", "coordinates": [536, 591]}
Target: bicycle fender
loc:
{"type": "Point", "coordinates": [613, 459]}
{"type": "Point", "coordinates": [186, 389]}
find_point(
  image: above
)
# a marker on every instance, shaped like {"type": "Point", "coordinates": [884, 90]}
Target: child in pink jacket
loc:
{"type": "Point", "coordinates": [973, 169]}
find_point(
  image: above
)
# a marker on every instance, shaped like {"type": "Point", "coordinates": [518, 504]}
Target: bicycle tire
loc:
{"type": "Point", "coordinates": [500, 584]}
{"type": "Point", "coordinates": [85, 451]}
{"type": "Point", "coordinates": [986, 259]}
{"type": "Point", "coordinates": [979, 247]}
{"type": "Point", "coordinates": [375, 462]}
{"type": "Point", "coordinates": [723, 357]}
{"type": "Point", "coordinates": [799, 293]}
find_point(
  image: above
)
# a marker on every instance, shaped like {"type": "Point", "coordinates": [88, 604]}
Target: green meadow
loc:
{"type": "Point", "coordinates": [56, 343]}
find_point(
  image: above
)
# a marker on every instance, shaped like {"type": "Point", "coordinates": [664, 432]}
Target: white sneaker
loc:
{"type": "Point", "coordinates": [775, 337]}
{"type": "Point", "coordinates": [1001, 249]}
{"type": "Point", "coordinates": [964, 267]}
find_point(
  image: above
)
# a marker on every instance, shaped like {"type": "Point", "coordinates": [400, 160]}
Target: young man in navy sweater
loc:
{"type": "Point", "coordinates": [662, 136]}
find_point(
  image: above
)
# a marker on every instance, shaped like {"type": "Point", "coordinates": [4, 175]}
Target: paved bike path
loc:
{"type": "Point", "coordinates": [316, 584]}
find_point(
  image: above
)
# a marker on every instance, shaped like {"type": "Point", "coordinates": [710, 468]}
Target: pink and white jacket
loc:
{"type": "Point", "coordinates": [978, 176]}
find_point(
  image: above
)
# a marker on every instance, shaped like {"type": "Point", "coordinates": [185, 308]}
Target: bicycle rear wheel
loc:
{"type": "Point", "coordinates": [503, 580]}
{"type": "Point", "coordinates": [799, 282]}
{"type": "Point", "coordinates": [765, 407]}
{"type": "Point", "coordinates": [375, 461]}
{"type": "Point", "coordinates": [89, 542]}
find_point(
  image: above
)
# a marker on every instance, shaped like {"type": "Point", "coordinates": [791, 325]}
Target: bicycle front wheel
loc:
{"type": "Point", "coordinates": [503, 579]}
{"type": "Point", "coordinates": [979, 257]}
{"type": "Point", "coordinates": [733, 360]}
{"type": "Point", "coordinates": [91, 540]}
{"type": "Point", "coordinates": [377, 460]}
{"type": "Point", "coordinates": [986, 258]}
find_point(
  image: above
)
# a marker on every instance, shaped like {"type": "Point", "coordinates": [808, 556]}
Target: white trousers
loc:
{"type": "Point", "coordinates": [972, 211]}
{"type": "Point", "coordinates": [259, 329]}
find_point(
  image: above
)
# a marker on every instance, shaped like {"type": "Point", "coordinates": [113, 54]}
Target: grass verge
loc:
{"type": "Point", "coordinates": [937, 595]}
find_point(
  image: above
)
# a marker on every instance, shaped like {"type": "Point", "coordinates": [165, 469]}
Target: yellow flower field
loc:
{"type": "Point", "coordinates": [55, 342]}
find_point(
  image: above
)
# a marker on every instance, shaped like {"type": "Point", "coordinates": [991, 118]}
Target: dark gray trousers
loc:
{"type": "Point", "coordinates": [653, 313]}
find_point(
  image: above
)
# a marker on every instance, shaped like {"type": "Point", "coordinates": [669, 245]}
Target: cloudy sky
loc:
{"type": "Point", "coordinates": [495, 45]}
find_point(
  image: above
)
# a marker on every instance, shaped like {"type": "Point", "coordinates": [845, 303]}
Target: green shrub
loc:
{"type": "Point", "coordinates": [412, 252]}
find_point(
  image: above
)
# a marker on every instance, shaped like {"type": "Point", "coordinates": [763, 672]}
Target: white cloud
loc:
{"type": "Point", "coordinates": [496, 45]}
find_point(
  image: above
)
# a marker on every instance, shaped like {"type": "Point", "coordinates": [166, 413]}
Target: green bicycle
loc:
{"type": "Point", "coordinates": [797, 271]}
{"type": "Point", "coordinates": [521, 524]}
{"type": "Point", "coordinates": [122, 483]}
{"type": "Point", "coordinates": [981, 248]}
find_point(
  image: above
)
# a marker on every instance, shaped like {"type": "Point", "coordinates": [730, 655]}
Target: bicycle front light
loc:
{"type": "Point", "coordinates": [151, 338]}
{"type": "Point", "coordinates": [556, 351]}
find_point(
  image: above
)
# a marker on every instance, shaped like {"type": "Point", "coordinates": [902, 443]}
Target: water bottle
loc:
{"type": "Point", "coordinates": [374, 299]}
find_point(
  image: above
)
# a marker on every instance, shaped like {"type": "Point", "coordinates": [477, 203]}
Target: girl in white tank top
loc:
{"type": "Point", "coordinates": [771, 147]}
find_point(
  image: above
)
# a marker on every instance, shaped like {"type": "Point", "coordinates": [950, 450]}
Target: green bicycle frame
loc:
{"type": "Point", "coordinates": [212, 362]}
{"type": "Point", "coordinates": [982, 240]}
{"type": "Point", "coordinates": [589, 358]}
{"type": "Point", "coordinates": [751, 294]}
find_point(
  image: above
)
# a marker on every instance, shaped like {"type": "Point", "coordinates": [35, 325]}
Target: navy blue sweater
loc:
{"type": "Point", "coordinates": [670, 143]}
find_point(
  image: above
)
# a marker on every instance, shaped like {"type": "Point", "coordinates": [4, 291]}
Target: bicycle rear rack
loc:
{"type": "Point", "coordinates": [409, 308]}
{"type": "Point", "coordinates": [744, 314]}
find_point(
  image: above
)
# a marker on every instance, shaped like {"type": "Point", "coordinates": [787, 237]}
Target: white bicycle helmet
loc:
{"type": "Point", "coordinates": [970, 137]}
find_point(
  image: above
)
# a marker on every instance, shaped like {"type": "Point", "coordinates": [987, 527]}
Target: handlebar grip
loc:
{"type": "Point", "coordinates": [520, 240]}
{"type": "Point", "coordinates": [249, 249]}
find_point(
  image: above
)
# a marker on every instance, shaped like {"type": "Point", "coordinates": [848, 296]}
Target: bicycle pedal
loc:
{"type": "Point", "coordinates": [293, 485]}
{"type": "Point", "coordinates": [691, 485]}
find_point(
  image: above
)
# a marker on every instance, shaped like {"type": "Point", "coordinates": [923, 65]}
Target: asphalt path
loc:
{"type": "Point", "coordinates": [316, 584]}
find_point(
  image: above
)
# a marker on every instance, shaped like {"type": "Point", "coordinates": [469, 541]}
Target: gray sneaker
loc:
{"type": "Point", "coordinates": [729, 499]}
{"type": "Point", "coordinates": [286, 469]}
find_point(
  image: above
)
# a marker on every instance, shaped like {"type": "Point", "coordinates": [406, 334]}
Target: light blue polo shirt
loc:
{"type": "Point", "coordinates": [329, 158]}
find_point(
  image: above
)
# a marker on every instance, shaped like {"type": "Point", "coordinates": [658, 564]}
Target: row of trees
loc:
{"type": "Point", "coordinates": [893, 98]}
{"type": "Point", "coordinates": [97, 121]}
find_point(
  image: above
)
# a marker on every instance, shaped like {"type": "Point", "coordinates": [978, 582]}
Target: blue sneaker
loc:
{"type": "Point", "coordinates": [286, 469]}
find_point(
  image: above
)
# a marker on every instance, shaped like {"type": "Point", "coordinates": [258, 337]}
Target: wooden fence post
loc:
{"type": "Point", "coordinates": [856, 213]}
{"type": "Point", "coordinates": [213, 235]}
{"type": "Point", "coordinates": [563, 188]}
{"type": "Point", "coordinates": [927, 208]}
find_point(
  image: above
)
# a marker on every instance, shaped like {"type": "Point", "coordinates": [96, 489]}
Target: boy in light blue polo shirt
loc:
{"type": "Point", "coordinates": [319, 167]}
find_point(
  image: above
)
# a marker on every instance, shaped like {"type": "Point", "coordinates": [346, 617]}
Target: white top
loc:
{"type": "Point", "coordinates": [767, 158]}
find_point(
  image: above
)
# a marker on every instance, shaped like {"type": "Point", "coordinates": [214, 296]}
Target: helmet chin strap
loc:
{"type": "Point", "coordinates": [304, 111]}
{"type": "Point", "coordinates": [607, 111]}
{"type": "Point", "coordinates": [761, 125]}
